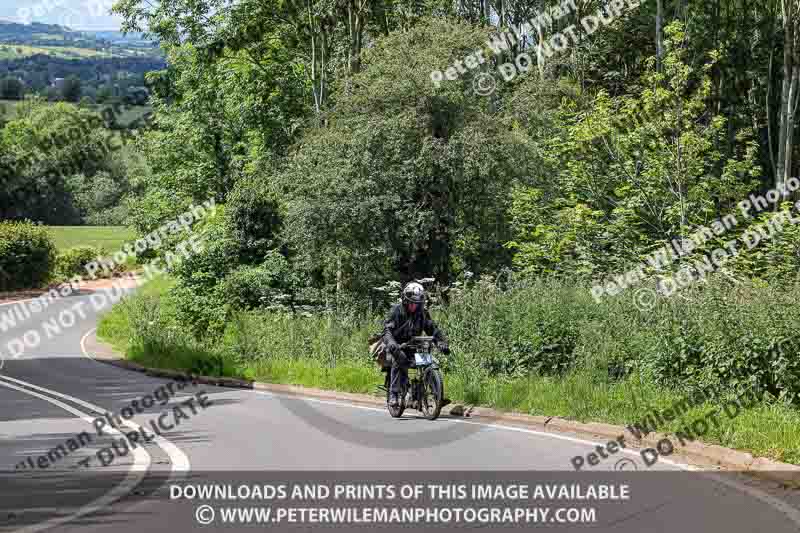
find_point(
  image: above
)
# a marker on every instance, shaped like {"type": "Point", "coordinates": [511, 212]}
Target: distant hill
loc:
{"type": "Point", "coordinates": [12, 31]}
{"type": "Point", "coordinates": [60, 41]}
{"type": "Point", "coordinates": [36, 32]}
{"type": "Point", "coordinates": [110, 65]}
{"type": "Point", "coordinates": [119, 36]}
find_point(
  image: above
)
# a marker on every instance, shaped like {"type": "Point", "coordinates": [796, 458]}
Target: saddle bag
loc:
{"type": "Point", "coordinates": [377, 351]}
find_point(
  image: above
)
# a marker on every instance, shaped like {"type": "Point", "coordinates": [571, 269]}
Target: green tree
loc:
{"type": "Point", "coordinates": [217, 122]}
{"type": "Point", "coordinates": [44, 147]}
{"type": "Point", "coordinates": [407, 180]}
{"type": "Point", "coordinates": [635, 172]}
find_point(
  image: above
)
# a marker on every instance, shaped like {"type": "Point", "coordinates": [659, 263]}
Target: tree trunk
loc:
{"type": "Point", "coordinates": [768, 115]}
{"type": "Point", "coordinates": [659, 33]}
{"type": "Point", "coordinates": [315, 91]}
{"type": "Point", "coordinates": [338, 281]}
{"type": "Point", "coordinates": [791, 108]}
{"type": "Point", "coordinates": [539, 52]}
{"type": "Point", "coordinates": [319, 46]}
{"type": "Point", "coordinates": [355, 26]}
{"type": "Point", "coordinates": [788, 101]}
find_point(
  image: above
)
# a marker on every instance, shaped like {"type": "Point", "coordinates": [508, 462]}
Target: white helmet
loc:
{"type": "Point", "coordinates": [413, 293]}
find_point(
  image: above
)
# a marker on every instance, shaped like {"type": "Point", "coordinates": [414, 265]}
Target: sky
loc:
{"type": "Point", "coordinates": [77, 14]}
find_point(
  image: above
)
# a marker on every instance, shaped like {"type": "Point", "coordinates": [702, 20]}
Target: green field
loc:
{"type": "Point", "coordinates": [127, 116]}
{"type": "Point", "coordinates": [110, 238]}
{"type": "Point", "coordinates": [16, 51]}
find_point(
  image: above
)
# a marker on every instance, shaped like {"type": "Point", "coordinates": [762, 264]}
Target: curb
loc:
{"type": "Point", "coordinates": [703, 455]}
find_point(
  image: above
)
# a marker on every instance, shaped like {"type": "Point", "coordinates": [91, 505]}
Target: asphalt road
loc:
{"type": "Point", "coordinates": [52, 395]}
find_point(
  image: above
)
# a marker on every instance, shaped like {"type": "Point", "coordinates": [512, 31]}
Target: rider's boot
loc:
{"type": "Point", "coordinates": [394, 400]}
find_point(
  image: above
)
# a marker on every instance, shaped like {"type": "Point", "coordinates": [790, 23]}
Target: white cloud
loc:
{"type": "Point", "coordinates": [77, 14]}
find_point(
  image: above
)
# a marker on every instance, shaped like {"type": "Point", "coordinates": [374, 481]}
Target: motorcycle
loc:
{"type": "Point", "coordinates": [424, 388]}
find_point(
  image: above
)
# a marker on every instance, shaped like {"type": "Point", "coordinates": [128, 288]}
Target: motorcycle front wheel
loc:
{"type": "Point", "coordinates": [397, 411]}
{"type": "Point", "coordinates": [432, 394]}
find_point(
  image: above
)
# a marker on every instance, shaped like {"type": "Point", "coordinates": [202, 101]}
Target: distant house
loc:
{"type": "Point", "coordinates": [58, 83]}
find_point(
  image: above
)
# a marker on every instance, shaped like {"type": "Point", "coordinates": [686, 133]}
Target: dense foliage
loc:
{"type": "Point", "coordinates": [60, 164]}
{"type": "Point", "coordinates": [579, 167]}
{"type": "Point", "coordinates": [544, 328]}
{"type": "Point", "coordinates": [72, 261]}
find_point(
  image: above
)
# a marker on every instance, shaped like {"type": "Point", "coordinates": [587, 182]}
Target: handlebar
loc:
{"type": "Point", "coordinates": [417, 340]}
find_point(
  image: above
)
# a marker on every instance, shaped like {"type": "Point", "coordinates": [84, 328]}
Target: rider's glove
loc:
{"type": "Point", "coordinates": [443, 347]}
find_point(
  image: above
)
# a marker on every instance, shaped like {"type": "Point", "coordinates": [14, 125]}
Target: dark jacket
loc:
{"type": "Point", "coordinates": [399, 326]}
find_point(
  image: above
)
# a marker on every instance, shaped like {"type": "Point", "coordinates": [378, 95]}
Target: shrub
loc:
{"type": "Point", "coordinates": [204, 313]}
{"type": "Point", "coordinates": [235, 269]}
{"type": "Point", "coordinates": [72, 262]}
{"type": "Point", "coordinates": [534, 328]}
{"type": "Point", "coordinates": [253, 218]}
{"type": "Point", "coordinates": [718, 336]}
{"type": "Point", "coordinates": [267, 285]}
{"type": "Point", "coordinates": [202, 271]}
{"type": "Point", "coordinates": [27, 255]}
{"type": "Point", "coordinates": [730, 338]}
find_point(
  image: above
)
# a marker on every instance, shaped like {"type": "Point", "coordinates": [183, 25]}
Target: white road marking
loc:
{"type": "Point", "coordinates": [180, 461]}
{"type": "Point", "coordinates": [141, 463]}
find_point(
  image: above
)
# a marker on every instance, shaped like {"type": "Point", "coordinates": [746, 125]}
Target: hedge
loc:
{"type": "Point", "coordinates": [72, 262]}
{"type": "Point", "coordinates": [27, 256]}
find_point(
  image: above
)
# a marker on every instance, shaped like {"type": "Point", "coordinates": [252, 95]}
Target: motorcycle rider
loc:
{"type": "Point", "coordinates": [405, 320]}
